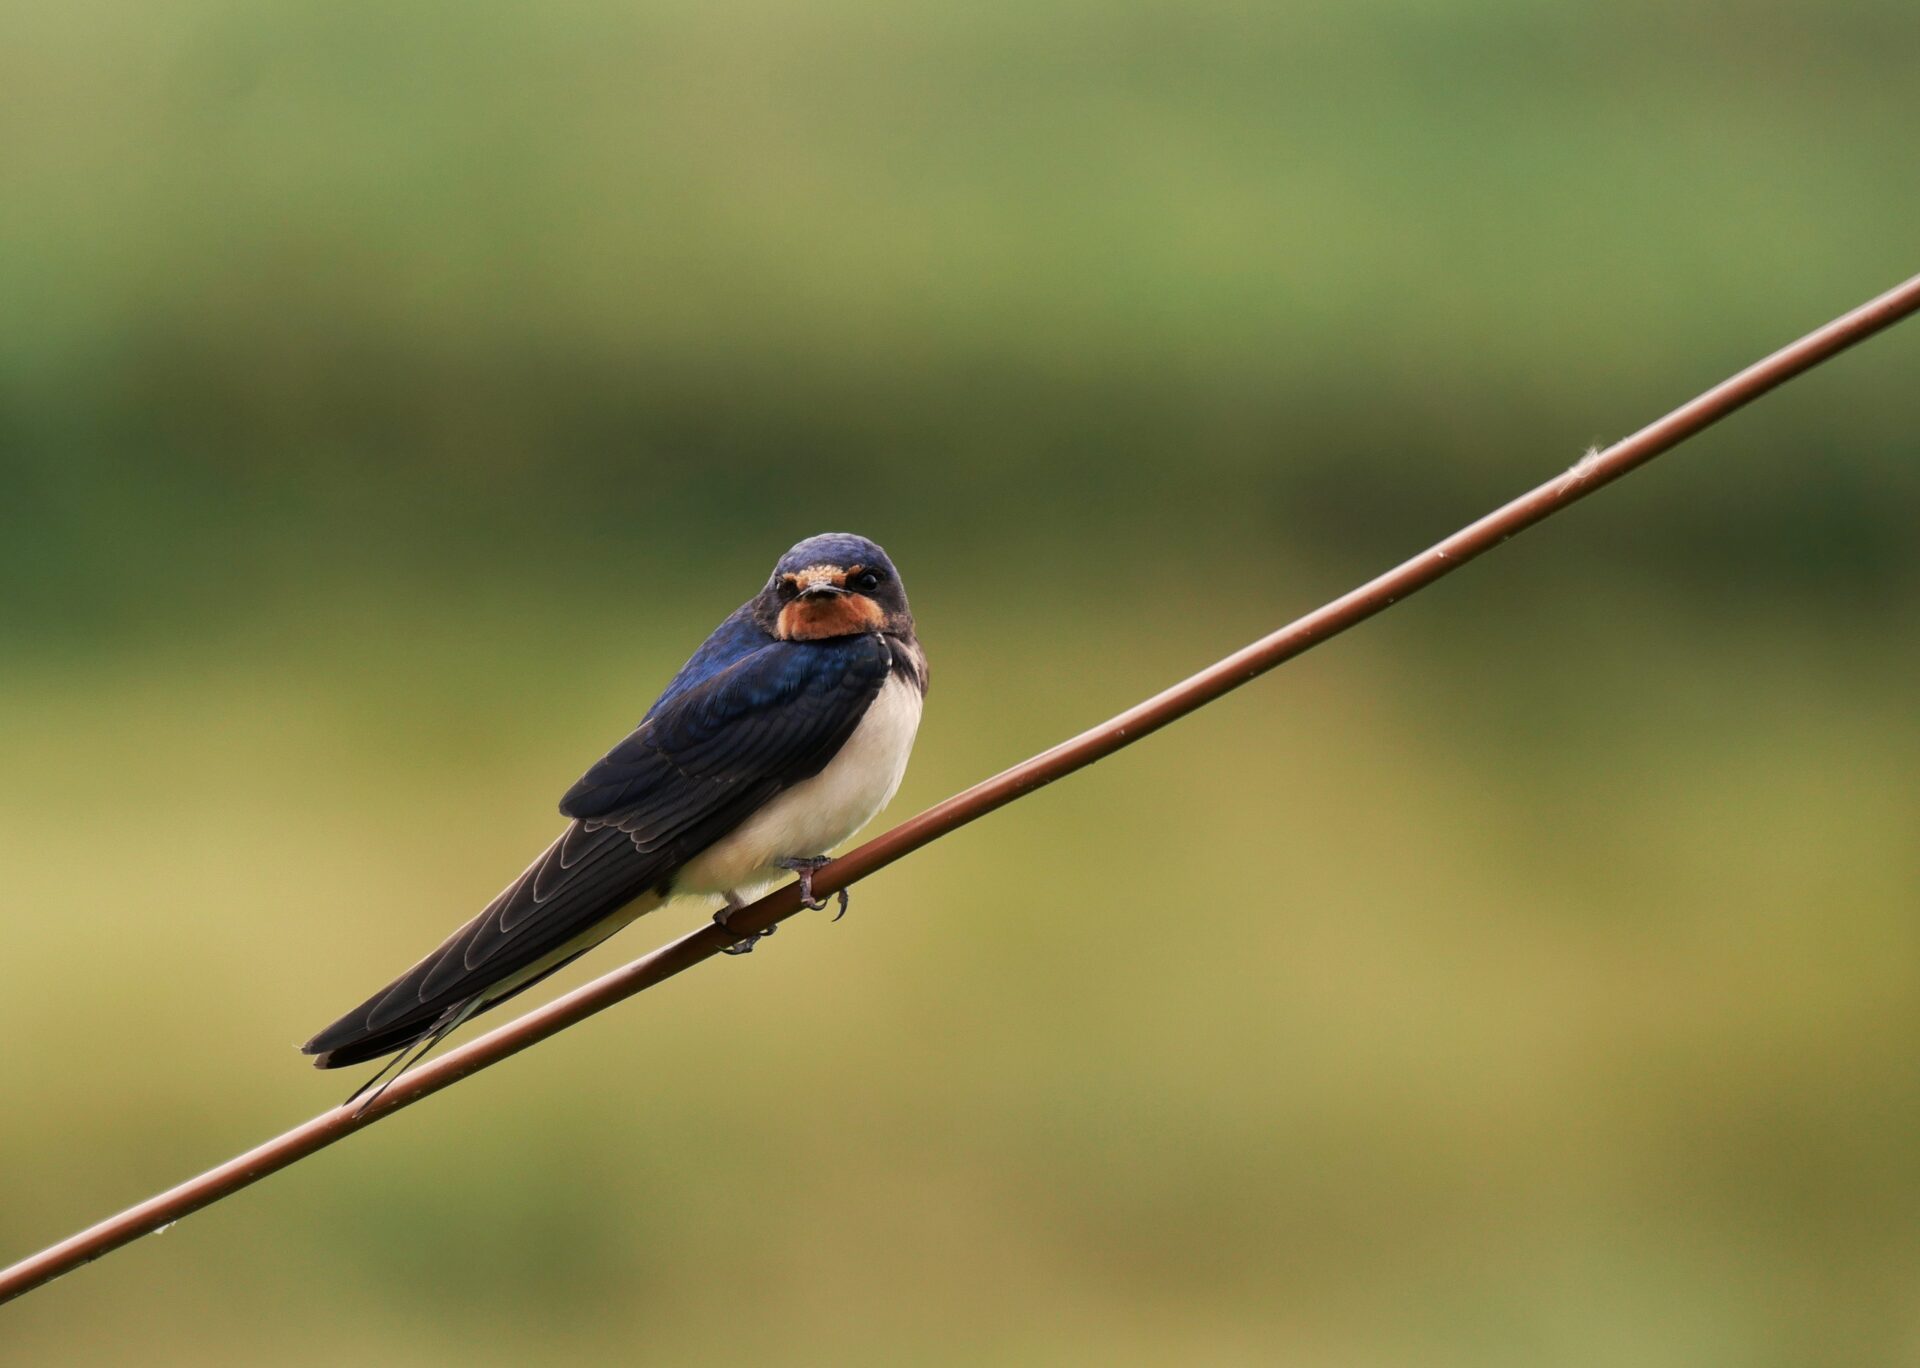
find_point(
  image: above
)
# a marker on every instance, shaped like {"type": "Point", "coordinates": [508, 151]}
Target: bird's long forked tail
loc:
{"type": "Point", "coordinates": [412, 1054]}
{"type": "Point", "coordinates": [412, 1047]}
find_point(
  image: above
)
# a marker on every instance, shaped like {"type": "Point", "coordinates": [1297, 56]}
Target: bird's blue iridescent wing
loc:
{"type": "Point", "coordinates": [772, 718]}
{"type": "Point", "coordinates": [729, 643]}
{"type": "Point", "coordinates": [701, 763]}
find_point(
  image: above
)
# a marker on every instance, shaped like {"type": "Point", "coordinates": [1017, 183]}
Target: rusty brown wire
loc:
{"type": "Point", "coordinates": [1590, 473]}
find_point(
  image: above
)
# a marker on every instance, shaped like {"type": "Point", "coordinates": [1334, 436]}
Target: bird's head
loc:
{"type": "Point", "coordinates": [834, 585]}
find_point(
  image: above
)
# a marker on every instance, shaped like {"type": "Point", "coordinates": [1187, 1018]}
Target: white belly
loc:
{"type": "Point", "coordinates": [817, 814]}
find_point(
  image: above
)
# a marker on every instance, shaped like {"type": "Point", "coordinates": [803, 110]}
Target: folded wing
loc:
{"type": "Point", "coordinates": [701, 763]}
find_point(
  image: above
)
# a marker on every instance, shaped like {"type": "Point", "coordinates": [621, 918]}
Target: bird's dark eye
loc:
{"type": "Point", "coordinates": [785, 587]}
{"type": "Point", "coordinates": [866, 582]}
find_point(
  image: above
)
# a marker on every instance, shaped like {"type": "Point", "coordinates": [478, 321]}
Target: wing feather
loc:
{"type": "Point", "coordinates": [706, 757]}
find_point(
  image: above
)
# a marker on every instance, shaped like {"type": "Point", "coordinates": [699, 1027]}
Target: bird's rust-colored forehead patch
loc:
{"type": "Point", "coordinates": [822, 574]}
{"type": "Point", "coordinates": [813, 575]}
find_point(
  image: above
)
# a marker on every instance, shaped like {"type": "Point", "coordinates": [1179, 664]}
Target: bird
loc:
{"type": "Point", "coordinates": [785, 733]}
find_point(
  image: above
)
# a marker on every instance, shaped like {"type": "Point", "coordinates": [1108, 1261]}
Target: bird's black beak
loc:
{"type": "Point", "coordinates": [820, 590]}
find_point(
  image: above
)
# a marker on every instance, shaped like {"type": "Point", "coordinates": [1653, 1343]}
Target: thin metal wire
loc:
{"type": "Point", "coordinates": [1596, 469]}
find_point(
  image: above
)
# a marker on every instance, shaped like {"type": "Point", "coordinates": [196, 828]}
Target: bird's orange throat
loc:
{"type": "Point", "coordinates": [809, 619]}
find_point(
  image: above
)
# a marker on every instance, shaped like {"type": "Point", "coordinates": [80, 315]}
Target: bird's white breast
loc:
{"type": "Point", "coordinates": [817, 814]}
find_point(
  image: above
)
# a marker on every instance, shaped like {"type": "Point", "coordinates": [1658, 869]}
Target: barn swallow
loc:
{"type": "Point", "coordinates": [783, 735]}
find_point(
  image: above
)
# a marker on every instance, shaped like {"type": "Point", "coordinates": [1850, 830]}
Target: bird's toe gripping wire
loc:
{"type": "Point", "coordinates": [739, 947]}
{"type": "Point", "coordinates": [805, 867]}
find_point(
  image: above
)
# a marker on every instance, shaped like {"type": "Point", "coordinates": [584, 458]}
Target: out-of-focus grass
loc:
{"type": "Point", "coordinates": [288, 287]}
{"type": "Point", "coordinates": [1420, 1002]}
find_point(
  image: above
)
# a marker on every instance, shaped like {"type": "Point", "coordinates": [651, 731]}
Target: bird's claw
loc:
{"type": "Point", "coordinates": [805, 869]}
{"type": "Point", "coordinates": [739, 947]}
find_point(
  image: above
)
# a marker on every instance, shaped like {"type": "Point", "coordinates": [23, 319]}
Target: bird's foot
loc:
{"type": "Point", "coordinates": [805, 867]}
{"type": "Point", "coordinates": [739, 947]}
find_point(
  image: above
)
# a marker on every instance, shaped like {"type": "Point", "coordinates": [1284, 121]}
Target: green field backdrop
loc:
{"type": "Point", "coordinates": [391, 395]}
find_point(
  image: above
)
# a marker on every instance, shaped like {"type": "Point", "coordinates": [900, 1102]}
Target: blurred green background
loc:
{"type": "Point", "coordinates": [392, 394]}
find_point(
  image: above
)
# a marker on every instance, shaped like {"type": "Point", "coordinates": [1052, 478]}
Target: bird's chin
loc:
{"type": "Point", "coordinates": [811, 619]}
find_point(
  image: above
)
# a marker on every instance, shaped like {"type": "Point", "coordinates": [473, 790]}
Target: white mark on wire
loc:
{"type": "Point", "coordinates": [1584, 467]}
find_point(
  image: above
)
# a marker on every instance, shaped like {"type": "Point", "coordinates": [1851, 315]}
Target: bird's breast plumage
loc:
{"type": "Point", "coordinates": [818, 813]}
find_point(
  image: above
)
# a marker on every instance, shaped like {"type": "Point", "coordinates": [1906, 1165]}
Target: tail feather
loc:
{"type": "Point", "coordinates": [584, 887]}
{"type": "Point", "coordinates": [367, 1047]}
{"type": "Point", "coordinates": [391, 1071]}
{"type": "Point", "coordinates": [401, 1038]}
